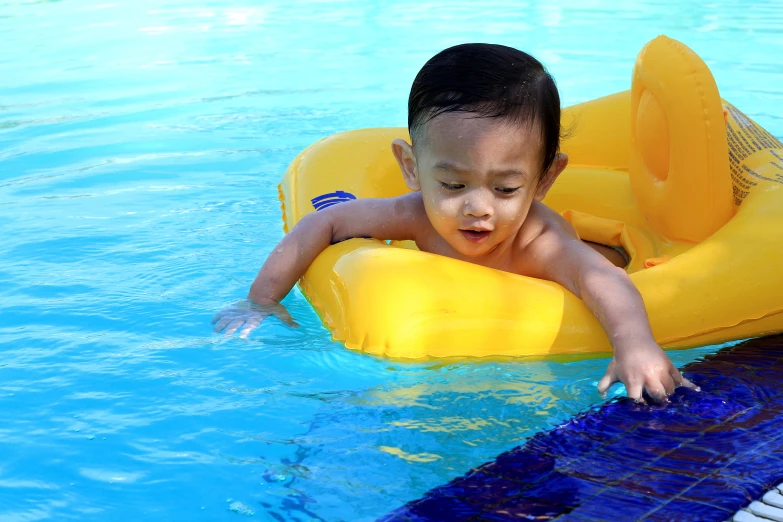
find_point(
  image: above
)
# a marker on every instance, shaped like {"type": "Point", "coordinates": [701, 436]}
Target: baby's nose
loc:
{"type": "Point", "coordinates": [478, 206]}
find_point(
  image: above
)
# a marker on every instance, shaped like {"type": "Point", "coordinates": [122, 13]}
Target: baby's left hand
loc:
{"type": "Point", "coordinates": [644, 367]}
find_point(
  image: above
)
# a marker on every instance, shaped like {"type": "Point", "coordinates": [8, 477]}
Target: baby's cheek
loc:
{"type": "Point", "coordinates": [437, 212]}
{"type": "Point", "coordinates": [514, 216]}
{"type": "Point", "coordinates": [511, 209]}
{"type": "Point", "coordinates": [444, 206]}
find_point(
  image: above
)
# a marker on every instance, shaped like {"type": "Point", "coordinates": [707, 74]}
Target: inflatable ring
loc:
{"type": "Point", "coordinates": [702, 223]}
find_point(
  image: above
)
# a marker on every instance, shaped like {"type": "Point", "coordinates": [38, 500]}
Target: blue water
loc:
{"type": "Point", "coordinates": [140, 148]}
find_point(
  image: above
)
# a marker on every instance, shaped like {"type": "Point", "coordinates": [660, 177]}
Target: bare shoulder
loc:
{"type": "Point", "coordinates": [411, 205]}
{"type": "Point", "coordinates": [544, 223]}
{"type": "Point", "coordinates": [542, 242]}
{"type": "Point", "coordinates": [381, 218]}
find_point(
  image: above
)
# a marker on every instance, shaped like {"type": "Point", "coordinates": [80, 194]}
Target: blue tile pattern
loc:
{"type": "Point", "coordinates": [701, 457]}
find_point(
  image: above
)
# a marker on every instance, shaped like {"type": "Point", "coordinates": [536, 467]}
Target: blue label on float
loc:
{"type": "Point", "coordinates": [331, 198]}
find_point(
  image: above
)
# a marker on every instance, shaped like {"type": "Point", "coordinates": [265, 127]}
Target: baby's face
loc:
{"type": "Point", "coordinates": [478, 179]}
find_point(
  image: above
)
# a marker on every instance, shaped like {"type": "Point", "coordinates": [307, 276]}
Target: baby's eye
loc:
{"type": "Point", "coordinates": [452, 186]}
{"type": "Point", "coordinates": [507, 190]}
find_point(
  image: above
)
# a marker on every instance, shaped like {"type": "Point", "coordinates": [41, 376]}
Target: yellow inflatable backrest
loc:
{"type": "Point", "coordinates": [320, 178]}
{"type": "Point", "coordinates": [679, 156]}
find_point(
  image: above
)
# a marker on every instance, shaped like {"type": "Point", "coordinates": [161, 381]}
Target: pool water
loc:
{"type": "Point", "coordinates": [140, 148]}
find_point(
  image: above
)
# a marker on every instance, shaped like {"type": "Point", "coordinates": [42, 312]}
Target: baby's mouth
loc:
{"type": "Point", "coordinates": [475, 236]}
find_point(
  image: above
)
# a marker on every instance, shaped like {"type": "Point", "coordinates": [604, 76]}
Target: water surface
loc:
{"type": "Point", "coordinates": [140, 148]}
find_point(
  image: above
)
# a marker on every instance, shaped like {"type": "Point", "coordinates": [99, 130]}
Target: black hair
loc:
{"type": "Point", "coordinates": [490, 81]}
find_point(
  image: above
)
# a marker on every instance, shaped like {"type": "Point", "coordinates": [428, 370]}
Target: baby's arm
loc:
{"type": "Point", "coordinates": [392, 218]}
{"type": "Point", "coordinates": [608, 292]}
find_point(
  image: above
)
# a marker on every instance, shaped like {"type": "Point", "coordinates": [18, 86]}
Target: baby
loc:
{"type": "Point", "coordinates": [484, 123]}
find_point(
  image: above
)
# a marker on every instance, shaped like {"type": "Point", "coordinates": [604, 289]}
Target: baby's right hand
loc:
{"type": "Point", "coordinates": [248, 315]}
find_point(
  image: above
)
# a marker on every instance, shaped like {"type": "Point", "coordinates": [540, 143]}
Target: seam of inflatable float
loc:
{"type": "Point", "coordinates": [672, 340]}
{"type": "Point", "coordinates": [320, 310]}
{"type": "Point", "coordinates": [293, 179]}
{"type": "Point", "coordinates": [307, 292]}
{"type": "Point", "coordinates": [281, 198]}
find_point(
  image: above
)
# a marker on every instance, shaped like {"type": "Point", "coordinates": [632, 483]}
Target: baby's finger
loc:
{"type": "Point", "coordinates": [676, 376]}
{"type": "Point", "coordinates": [657, 393]}
{"type": "Point", "coordinates": [668, 384]}
{"type": "Point", "coordinates": [688, 384]}
{"type": "Point", "coordinates": [234, 325]}
{"type": "Point", "coordinates": [635, 392]}
{"type": "Point", "coordinates": [284, 316]}
{"type": "Point", "coordinates": [250, 325]}
{"type": "Point", "coordinates": [606, 382]}
{"type": "Point", "coordinates": [218, 315]}
{"type": "Point", "coordinates": [223, 322]}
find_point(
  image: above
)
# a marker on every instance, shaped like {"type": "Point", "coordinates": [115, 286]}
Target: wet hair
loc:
{"type": "Point", "coordinates": [489, 81]}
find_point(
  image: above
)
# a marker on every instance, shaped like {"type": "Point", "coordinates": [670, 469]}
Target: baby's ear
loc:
{"type": "Point", "coordinates": [558, 166]}
{"type": "Point", "coordinates": [403, 152]}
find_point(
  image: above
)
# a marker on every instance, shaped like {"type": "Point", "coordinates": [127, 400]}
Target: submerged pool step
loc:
{"type": "Point", "coordinates": [703, 457]}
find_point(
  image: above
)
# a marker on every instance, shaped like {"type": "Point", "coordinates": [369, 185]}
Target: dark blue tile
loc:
{"type": "Point", "coordinates": [725, 492]}
{"type": "Point", "coordinates": [563, 443]}
{"type": "Point", "coordinates": [758, 353]}
{"type": "Point", "coordinates": [634, 455]}
{"type": "Point", "coordinates": [670, 436]}
{"type": "Point", "coordinates": [691, 411]}
{"type": "Point", "coordinates": [730, 442]}
{"type": "Point", "coordinates": [600, 467]}
{"type": "Point", "coordinates": [757, 468]}
{"type": "Point", "coordinates": [764, 381]}
{"type": "Point", "coordinates": [520, 465]}
{"type": "Point", "coordinates": [563, 490]}
{"type": "Point", "coordinates": [770, 392]}
{"type": "Point", "coordinates": [572, 517]}
{"type": "Point", "coordinates": [480, 488]}
{"type": "Point", "coordinates": [692, 460]}
{"type": "Point", "coordinates": [441, 508]}
{"type": "Point", "coordinates": [773, 448]}
{"type": "Point", "coordinates": [642, 447]}
{"type": "Point", "coordinates": [706, 375]}
{"type": "Point", "coordinates": [523, 509]}
{"type": "Point", "coordinates": [637, 450]}
{"type": "Point", "coordinates": [657, 483]}
{"type": "Point", "coordinates": [626, 414]}
{"type": "Point", "coordinates": [596, 428]}
{"type": "Point", "coordinates": [679, 510]}
{"type": "Point", "coordinates": [616, 505]}
{"type": "Point", "coordinates": [716, 383]}
{"type": "Point", "coordinates": [759, 420]}
{"type": "Point", "coordinates": [683, 424]}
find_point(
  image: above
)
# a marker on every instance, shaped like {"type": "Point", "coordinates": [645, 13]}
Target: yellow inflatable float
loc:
{"type": "Point", "coordinates": [688, 185]}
